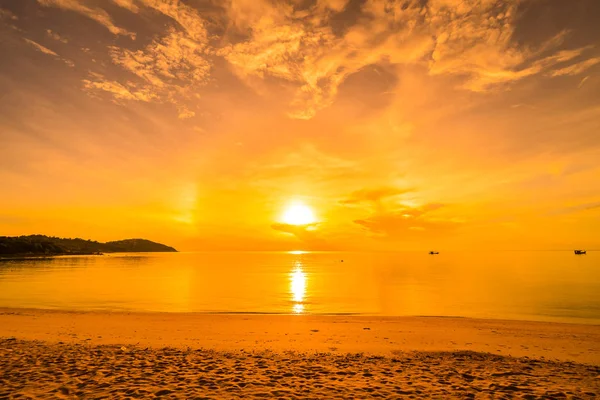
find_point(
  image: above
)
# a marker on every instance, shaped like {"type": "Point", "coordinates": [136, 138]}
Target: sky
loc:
{"type": "Point", "coordinates": [390, 125]}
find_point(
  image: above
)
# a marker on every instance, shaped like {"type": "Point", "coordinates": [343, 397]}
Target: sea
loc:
{"type": "Point", "coordinates": [520, 285]}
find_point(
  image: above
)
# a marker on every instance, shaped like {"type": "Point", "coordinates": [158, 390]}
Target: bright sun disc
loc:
{"type": "Point", "coordinates": [298, 214]}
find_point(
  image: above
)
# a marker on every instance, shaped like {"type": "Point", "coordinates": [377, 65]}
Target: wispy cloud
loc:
{"type": "Point", "coordinates": [374, 195]}
{"type": "Point", "coordinates": [56, 36]}
{"type": "Point", "coordinates": [118, 91]}
{"type": "Point", "coordinates": [297, 48]}
{"type": "Point", "coordinates": [7, 15]}
{"type": "Point", "coordinates": [476, 40]}
{"type": "Point", "coordinates": [41, 48]}
{"type": "Point", "coordinates": [170, 69]}
{"type": "Point", "coordinates": [186, 17]}
{"type": "Point", "coordinates": [392, 217]}
{"type": "Point", "coordinates": [576, 69]}
{"type": "Point", "coordinates": [96, 14]}
{"type": "Point", "coordinates": [297, 52]}
{"type": "Point", "coordinates": [128, 4]}
{"type": "Point", "coordinates": [307, 233]}
{"type": "Point", "coordinates": [473, 40]}
{"type": "Point", "coordinates": [407, 223]}
{"type": "Point", "coordinates": [49, 52]}
{"type": "Point", "coordinates": [307, 164]}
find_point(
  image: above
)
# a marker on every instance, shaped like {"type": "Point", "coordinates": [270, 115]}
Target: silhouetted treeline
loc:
{"type": "Point", "coordinates": [48, 245]}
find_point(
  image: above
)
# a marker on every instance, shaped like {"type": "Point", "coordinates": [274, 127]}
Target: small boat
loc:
{"type": "Point", "coordinates": [434, 252]}
{"type": "Point", "coordinates": [580, 252]}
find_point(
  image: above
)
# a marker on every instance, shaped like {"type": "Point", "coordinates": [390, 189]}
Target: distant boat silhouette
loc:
{"type": "Point", "coordinates": [580, 251]}
{"type": "Point", "coordinates": [434, 252]}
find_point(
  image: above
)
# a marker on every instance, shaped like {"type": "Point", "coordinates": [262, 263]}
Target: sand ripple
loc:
{"type": "Point", "coordinates": [38, 370]}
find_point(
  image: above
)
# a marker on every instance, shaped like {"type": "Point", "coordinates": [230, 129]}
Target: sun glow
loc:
{"type": "Point", "coordinates": [298, 214]}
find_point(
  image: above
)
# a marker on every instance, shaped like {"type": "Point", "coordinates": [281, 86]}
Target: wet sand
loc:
{"type": "Point", "coordinates": [55, 354]}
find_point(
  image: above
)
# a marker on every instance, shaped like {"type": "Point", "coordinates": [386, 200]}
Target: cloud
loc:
{"type": "Point", "coordinates": [390, 215]}
{"type": "Point", "coordinates": [373, 195]}
{"type": "Point", "coordinates": [56, 36]}
{"type": "Point", "coordinates": [468, 39]}
{"type": "Point", "coordinates": [332, 5]}
{"type": "Point", "coordinates": [7, 15]}
{"type": "Point", "coordinates": [474, 39]}
{"type": "Point", "coordinates": [308, 160]}
{"type": "Point", "coordinates": [407, 223]}
{"type": "Point", "coordinates": [96, 14]}
{"type": "Point", "coordinates": [49, 52]}
{"type": "Point", "coordinates": [293, 51]}
{"type": "Point", "coordinates": [307, 233]}
{"type": "Point", "coordinates": [118, 91]}
{"type": "Point", "coordinates": [173, 59]}
{"type": "Point", "coordinates": [299, 48]}
{"type": "Point", "coordinates": [392, 218]}
{"type": "Point", "coordinates": [581, 83]}
{"type": "Point", "coordinates": [170, 69]}
{"type": "Point", "coordinates": [41, 48]}
{"type": "Point", "coordinates": [273, 166]}
{"type": "Point", "coordinates": [576, 69]}
{"type": "Point", "coordinates": [186, 17]}
{"type": "Point", "coordinates": [128, 4]}
{"type": "Point", "coordinates": [287, 51]}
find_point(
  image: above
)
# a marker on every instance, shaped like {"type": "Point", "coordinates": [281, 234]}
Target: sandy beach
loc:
{"type": "Point", "coordinates": [57, 354]}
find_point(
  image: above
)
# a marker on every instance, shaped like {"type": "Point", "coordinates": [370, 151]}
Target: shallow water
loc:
{"type": "Point", "coordinates": [549, 286]}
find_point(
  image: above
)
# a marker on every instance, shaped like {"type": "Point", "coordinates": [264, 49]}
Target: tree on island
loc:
{"type": "Point", "coordinates": [50, 245]}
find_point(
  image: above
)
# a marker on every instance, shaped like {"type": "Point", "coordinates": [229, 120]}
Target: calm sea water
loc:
{"type": "Point", "coordinates": [551, 286]}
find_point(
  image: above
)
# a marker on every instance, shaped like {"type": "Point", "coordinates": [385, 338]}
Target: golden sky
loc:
{"type": "Point", "coordinates": [385, 125]}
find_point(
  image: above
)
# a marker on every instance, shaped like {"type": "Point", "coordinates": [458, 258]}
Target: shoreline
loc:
{"type": "Point", "coordinates": [382, 336]}
{"type": "Point", "coordinates": [511, 318]}
{"type": "Point", "coordinates": [27, 256]}
{"type": "Point", "coordinates": [542, 320]}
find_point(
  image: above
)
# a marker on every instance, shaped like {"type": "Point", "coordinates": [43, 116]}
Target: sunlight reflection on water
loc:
{"type": "Point", "coordinates": [298, 287]}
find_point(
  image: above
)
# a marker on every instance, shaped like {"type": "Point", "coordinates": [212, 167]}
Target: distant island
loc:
{"type": "Point", "coordinates": [41, 245]}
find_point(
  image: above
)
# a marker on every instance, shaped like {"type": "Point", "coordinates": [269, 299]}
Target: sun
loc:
{"type": "Point", "coordinates": [298, 214]}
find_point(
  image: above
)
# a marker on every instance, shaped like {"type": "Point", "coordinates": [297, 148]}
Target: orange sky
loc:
{"type": "Point", "coordinates": [423, 124]}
